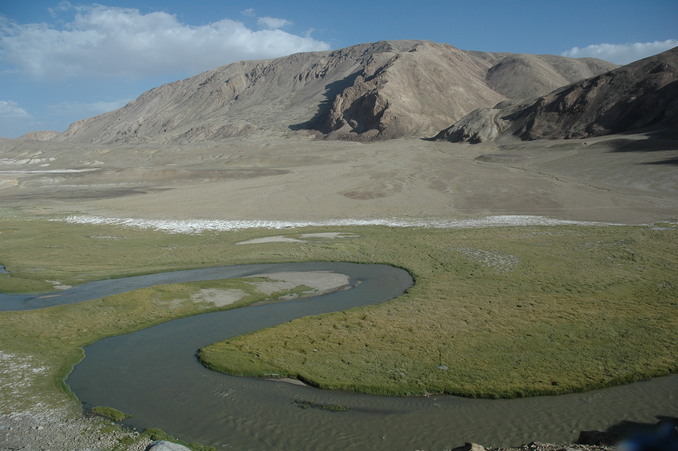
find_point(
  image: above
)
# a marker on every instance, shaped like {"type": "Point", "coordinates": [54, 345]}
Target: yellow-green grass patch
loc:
{"type": "Point", "coordinates": [39, 347]}
{"type": "Point", "coordinates": [509, 311]}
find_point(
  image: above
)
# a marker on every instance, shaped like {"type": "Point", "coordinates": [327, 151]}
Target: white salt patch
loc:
{"type": "Point", "coordinates": [271, 239]}
{"type": "Point", "coordinates": [48, 171]}
{"type": "Point", "coordinates": [202, 225]}
{"type": "Point", "coordinates": [329, 235]}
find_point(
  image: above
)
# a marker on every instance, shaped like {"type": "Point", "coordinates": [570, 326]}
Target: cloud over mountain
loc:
{"type": "Point", "coordinates": [102, 40]}
{"type": "Point", "coordinates": [621, 53]}
{"type": "Point", "coordinates": [10, 109]}
{"type": "Point", "coordinates": [273, 22]}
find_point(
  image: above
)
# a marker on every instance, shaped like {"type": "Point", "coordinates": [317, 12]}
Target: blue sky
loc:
{"type": "Point", "coordinates": [64, 61]}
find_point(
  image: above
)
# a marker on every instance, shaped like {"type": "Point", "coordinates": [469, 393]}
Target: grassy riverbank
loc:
{"type": "Point", "coordinates": [43, 345]}
{"type": "Point", "coordinates": [495, 312]}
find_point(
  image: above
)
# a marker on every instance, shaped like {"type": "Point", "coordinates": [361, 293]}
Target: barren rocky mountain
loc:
{"type": "Point", "coordinates": [523, 76]}
{"type": "Point", "coordinates": [375, 91]}
{"type": "Point", "coordinates": [642, 96]}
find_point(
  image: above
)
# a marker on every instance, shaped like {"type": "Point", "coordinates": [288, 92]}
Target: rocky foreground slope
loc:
{"type": "Point", "coordinates": [642, 96]}
{"type": "Point", "coordinates": [374, 91]}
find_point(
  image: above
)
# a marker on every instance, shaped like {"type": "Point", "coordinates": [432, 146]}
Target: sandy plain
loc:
{"type": "Point", "coordinates": [625, 179]}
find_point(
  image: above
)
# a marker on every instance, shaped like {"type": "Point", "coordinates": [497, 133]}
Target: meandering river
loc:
{"type": "Point", "coordinates": [153, 375]}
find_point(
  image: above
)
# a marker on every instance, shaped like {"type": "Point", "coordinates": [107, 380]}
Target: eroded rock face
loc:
{"type": "Point", "coordinates": [408, 91]}
{"type": "Point", "coordinates": [642, 96]}
{"type": "Point", "coordinates": [376, 91]}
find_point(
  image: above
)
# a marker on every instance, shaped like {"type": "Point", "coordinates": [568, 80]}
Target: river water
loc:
{"type": "Point", "coordinates": [153, 375]}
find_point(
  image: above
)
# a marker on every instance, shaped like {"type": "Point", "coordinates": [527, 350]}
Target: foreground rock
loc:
{"type": "Point", "coordinates": [642, 96]}
{"type": "Point", "coordinates": [164, 445]}
{"type": "Point", "coordinates": [536, 446]}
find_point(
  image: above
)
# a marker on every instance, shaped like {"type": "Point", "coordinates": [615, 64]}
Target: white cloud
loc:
{"type": "Point", "coordinates": [273, 22]}
{"type": "Point", "coordinates": [102, 40]}
{"type": "Point", "coordinates": [249, 12]}
{"type": "Point", "coordinates": [621, 53]}
{"type": "Point", "coordinates": [12, 110]}
{"type": "Point", "coordinates": [80, 109]}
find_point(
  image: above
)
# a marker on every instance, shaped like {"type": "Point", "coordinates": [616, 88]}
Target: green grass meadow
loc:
{"type": "Point", "coordinates": [494, 312]}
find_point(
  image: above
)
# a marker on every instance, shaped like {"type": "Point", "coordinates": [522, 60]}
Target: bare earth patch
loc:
{"type": "Point", "coordinates": [50, 430]}
{"type": "Point", "coordinates": [600, 180]}
{"type": "Point", "coordinates": [17, 374]}
{"type": "Point", "coordinates": [271, 239]}
{"type": "Point", "coordinates": [319, 281]}
{"type": "Point", "coordinates": [329, 235]}
{"type": "Point", "coordinates": [220, 298]}
{"type": "Point", "coordinates": [301, 239]}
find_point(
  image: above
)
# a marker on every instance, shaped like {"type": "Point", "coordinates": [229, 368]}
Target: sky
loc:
{"type": "Point", "coordinates": [64, 61]}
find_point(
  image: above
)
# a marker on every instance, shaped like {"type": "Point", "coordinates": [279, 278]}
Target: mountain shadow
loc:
{"type": "Point", "coordinates": [332, 90]}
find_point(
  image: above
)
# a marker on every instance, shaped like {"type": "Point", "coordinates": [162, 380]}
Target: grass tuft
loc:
{"type": "Point", "coordinates": [302, 404]}
{"type": "Point", "coordinates": [109, 412]}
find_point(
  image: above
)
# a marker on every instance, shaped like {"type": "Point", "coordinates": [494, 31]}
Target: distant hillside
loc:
{"type": "Point", "coordinates": [374, 91]}
{"type": "Point", "coordinates": [41, 135]}
{"type": "Point", "coordinates": [642, 96]}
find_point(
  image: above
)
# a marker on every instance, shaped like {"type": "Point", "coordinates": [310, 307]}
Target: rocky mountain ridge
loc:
{"type": "Point", "coordinates": [375, 91]}
{"type": "Point", "coordinates": [639, 97]}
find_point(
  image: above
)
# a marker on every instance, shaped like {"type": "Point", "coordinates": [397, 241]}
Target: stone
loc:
{"type": "Point", "coordinates": [164, 445]}
{"type": "Point", "coordinates": [470, 447]}
{"type": "Point", "coordinates": [593, 438]}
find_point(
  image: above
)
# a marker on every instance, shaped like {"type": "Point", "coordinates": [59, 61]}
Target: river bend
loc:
{"type": "Point", "coordinates": [153, 375]}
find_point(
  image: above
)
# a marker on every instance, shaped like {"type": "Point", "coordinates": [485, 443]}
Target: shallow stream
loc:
{"type": "Point", "coordinates": [153, 375]}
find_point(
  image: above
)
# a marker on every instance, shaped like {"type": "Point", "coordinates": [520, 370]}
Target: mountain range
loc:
{"type": "Point", "coordinates": [368, 92]}
{"type": "Point", "coordinates": [639, 97]}
{"type": "Point", "coordinates": [283, 139]}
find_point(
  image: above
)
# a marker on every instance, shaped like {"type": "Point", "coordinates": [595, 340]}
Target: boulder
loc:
{"type": "Point", "coordinates": [470, 447]}
{"type": "Point", "coordinates": [164, 445]}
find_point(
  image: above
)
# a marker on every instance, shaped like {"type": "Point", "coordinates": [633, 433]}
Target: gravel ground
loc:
{"type": "Point", "coordinates": [535, 446]}
{"type": "Point", "coordinates": [49, 430]}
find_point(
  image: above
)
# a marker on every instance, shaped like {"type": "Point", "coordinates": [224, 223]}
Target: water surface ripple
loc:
{"type": "Point", "coordinates": [153, 375]}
